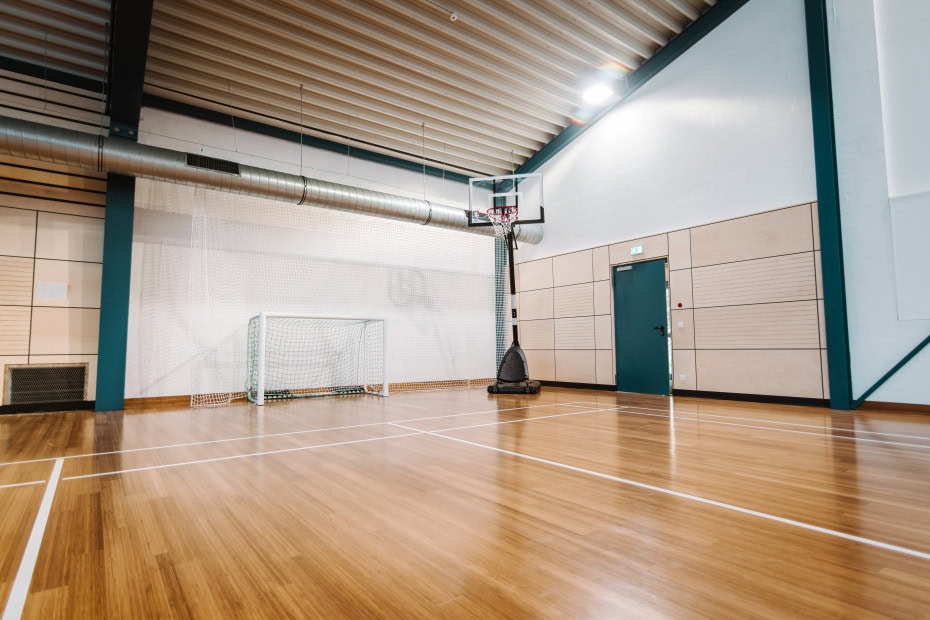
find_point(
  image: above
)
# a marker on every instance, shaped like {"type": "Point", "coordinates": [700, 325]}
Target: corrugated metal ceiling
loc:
{"type": "Point", "coordinates": [471, 86]}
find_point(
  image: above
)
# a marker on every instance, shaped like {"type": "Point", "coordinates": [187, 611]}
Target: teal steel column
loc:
{"type": "Point", "coordinates": [114, 293]}
{"type": "Point", "coordinates": [828, 199]}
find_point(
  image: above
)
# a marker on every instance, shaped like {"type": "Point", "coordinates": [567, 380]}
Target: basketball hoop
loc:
{"type": "Point", "coordinates": [502, 218]}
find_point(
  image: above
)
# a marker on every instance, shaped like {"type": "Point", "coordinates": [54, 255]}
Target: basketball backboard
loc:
{"type": "Point", "coordinates": [523, 192]}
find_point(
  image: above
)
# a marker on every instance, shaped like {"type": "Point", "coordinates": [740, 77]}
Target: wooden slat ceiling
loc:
{"type": "Point", "coordinates": [66, 35]}
{"type": "Point", "coordinates": [479, 94]}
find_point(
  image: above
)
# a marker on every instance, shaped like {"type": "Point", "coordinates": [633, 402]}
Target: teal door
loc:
{"type": "Point", "coordinates": [641, 328]}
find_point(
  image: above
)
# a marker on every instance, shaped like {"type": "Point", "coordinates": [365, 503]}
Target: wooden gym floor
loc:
{"type": "Point", "coordinates": [456, 504]}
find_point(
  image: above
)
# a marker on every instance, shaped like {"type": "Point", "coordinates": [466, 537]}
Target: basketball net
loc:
{"type": "Point", "coordinates": [502, 218]}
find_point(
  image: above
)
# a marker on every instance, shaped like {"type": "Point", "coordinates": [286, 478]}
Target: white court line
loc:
{"type": "Point", "coordinates": [237, 456]}
{"type": "Point", "coordinates": [679, 416]}
{"type": "Point", "coordinates": [695, 498]}
{"type": "Point", "coordinates": [288, 433]}
{"type": "Point", "coordinates": [17, 599]}
{"type": "Point", "coordinates": [21, 484]}
{"type": "Point", "coordinates": [728, 417]}
{"type": "Point", "coordinates": [540, 417]}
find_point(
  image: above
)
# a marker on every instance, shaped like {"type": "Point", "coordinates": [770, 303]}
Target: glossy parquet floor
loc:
{"type": "Point", "coordinates": [453, 504]}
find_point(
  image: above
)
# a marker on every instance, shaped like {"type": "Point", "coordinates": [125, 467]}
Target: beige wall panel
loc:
{"type": "Point", "coordinates": [604, 367]}
{"type": "Point", "coordinates": [653, 247]}
{"type": "Point", "coordinates": [764, 280]}
{"type": "Point", "coordinates": [64, 331]}
{"type": "Point", "coordinates": [50, 206]}
{"type": "Point", "coordinates": [68, 237]}
{"type": "Point", "coordinates": [683, 366]}
{"type": "Point", "coordinates": [52, 193]}
{"type": "Point", "coordinates": [602, 297]}
{"type": "Point", "coordinates": [575, 366]}
{"type": "Point", "coordinates": [72, 181]}
{"type": "Point", "coordinates": [535, 274]}
{"type": "Point", "coordinates": [14, 330]}
{"type": "Point", "coordinates": [15, 281]}
{"type": "Point", "coordinates": [682, 337]}
{"type": "Point", "coordinates": [785, 231]}
{"type": "Point", "coordinates": [791, 325]}
{"type": "Point", "coordinates": [576, 333]}
{"type": "Point", "coordinates": [537, 334]}
{"type": "Point", "coordinates": [600, 261]}
{"type": "Point", "coordinates": [818, 273]}
{"type": "Point", "coordinates": [679, 284]}
{"type": "Point", "coordinates": [821, 323]}
{"type": "Point", "coordinates": [679, 249]}
{"type": "Point", "coordinates": [826, 375]}
{"type": "Point", "coordinates": [91, 361]}
{"type": "Point", "coordinates": [535, 304]}
{"type": "Point", "coordinates": [774, 373]}
{"type": "Point", "coordinates": [17, 232]}
{"type": "Point", "coordinates": [815, 225]}
{"type": "Point", "coordinates": [82, 280]}
{"type": "Point", "coordinates": [574, 268]}
{"type": "Point", "coordinates": [576, 300]}
{"type": "Point", "coordinates": [603, 332]}
{"type": "Point", "coordinates": [541, 364]}
{"type": "Point", "coordinates": [21, 161]}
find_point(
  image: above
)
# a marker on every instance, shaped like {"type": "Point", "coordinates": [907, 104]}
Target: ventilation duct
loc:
{"type": "Point", "coordinates": [65, 146]}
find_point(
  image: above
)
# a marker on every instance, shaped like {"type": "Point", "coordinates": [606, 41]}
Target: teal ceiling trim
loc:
{"type": "Point", "coordinates": [223, 118]}
{"type": "Point", "coordinates": [828, 210]}
{"type": "Point", "coordinates": [920, 347]}
{"type": "Point", "coordinates": [704, 25]}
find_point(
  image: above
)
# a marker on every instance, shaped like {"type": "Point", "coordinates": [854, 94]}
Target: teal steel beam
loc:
{"type": "Point", "coordinates": [114, 294]}
{"type": "Point", "coordinates": [713, 17]}
{"type": "Point", "coordinates": [920, 347]}
{"type": "Point", "coordinates": [828, 210]}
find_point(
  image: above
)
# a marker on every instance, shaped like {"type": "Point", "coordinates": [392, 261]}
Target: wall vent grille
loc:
{"type": "Point", "coordinates": [44, 383]}
{"type": "Point", "coordinates": [212, 163]}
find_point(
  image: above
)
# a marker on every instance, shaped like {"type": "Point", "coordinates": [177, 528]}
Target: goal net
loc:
{"type": "Point", "coordinates": [300, 356]}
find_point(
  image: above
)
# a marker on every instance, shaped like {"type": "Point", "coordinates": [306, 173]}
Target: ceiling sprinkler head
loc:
{"type": "Point", "coordinates": [453, 16]}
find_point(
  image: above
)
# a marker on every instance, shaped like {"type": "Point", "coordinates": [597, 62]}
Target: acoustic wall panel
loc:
{"type": "Point", "coordinates": [536, 274]}
{"type": "Point", "coordinates": [791, 325]}
{"type": "Point", "coordinates": [537, 334]}
{"type": "Point", "coordinates": [575, 333]}
{"type": "Point", "coordinates": [602, 297]}
{"type": "Point", "coordinates": [14, 330]}
{"type": "Point", "coordinates": [603, 332]}
{"type": "Point", "coordinates": [574, 268]}
{"type": "Point", "coordinates": [600, 260]}
{"type": "Point", "coordinates": [765, 280]}
{"type": "Point", "coordinates": [683, 370]}
{"type": "Point", "coordinates": [679, 286]}
{"type": "Point", "coordinates": [576, 366]}
{"type": "Point", "coordinates": [64, 331]}
{"type": "Point", "coordinates": [536, 304]}
{"type": "Point", "coordinates": [80, 281]}
{"type": "Point", "coordinates": [679, 249]}
{"type": "Point", "coordinates": [576, 300]}
{"type": "Point", "coordinates": [775, 233]}
{"type": "Point", "coordinates": [69, 237]}
{"type": "Point", "coordinates": [17, 231]}
{"type": "Point", "coordinates": [683, 336]}
{"type": "Point", "coordinates": [653, 247]}
{"type": "Point", "coordinates": [15, 281]}
{"type": "Point", "coordinates": [604, 367]}
{"type": "Point", "coordinates": [771, 372]}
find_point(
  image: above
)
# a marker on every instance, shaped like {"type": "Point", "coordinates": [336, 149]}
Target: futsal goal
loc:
{"type": "Point", "coordinates": [305, 355]}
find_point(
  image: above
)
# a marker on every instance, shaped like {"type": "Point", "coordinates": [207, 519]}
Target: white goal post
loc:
{"type": "Point", "coordinates": [307, 355]}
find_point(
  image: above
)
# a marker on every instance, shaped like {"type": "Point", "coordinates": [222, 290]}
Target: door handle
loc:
{"type": "Point", "coordinates": [661, 329]}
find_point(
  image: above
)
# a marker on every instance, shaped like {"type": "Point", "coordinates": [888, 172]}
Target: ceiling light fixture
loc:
{"type": "Point", "coordinates": [597, 94]}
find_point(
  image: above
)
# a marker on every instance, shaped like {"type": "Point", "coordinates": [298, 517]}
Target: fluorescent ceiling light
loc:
{"type": "Point", "coordinates": [597, 94]}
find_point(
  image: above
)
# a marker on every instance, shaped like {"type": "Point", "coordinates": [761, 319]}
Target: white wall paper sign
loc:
{"type": "Point", "coordinates": [57, 291]}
